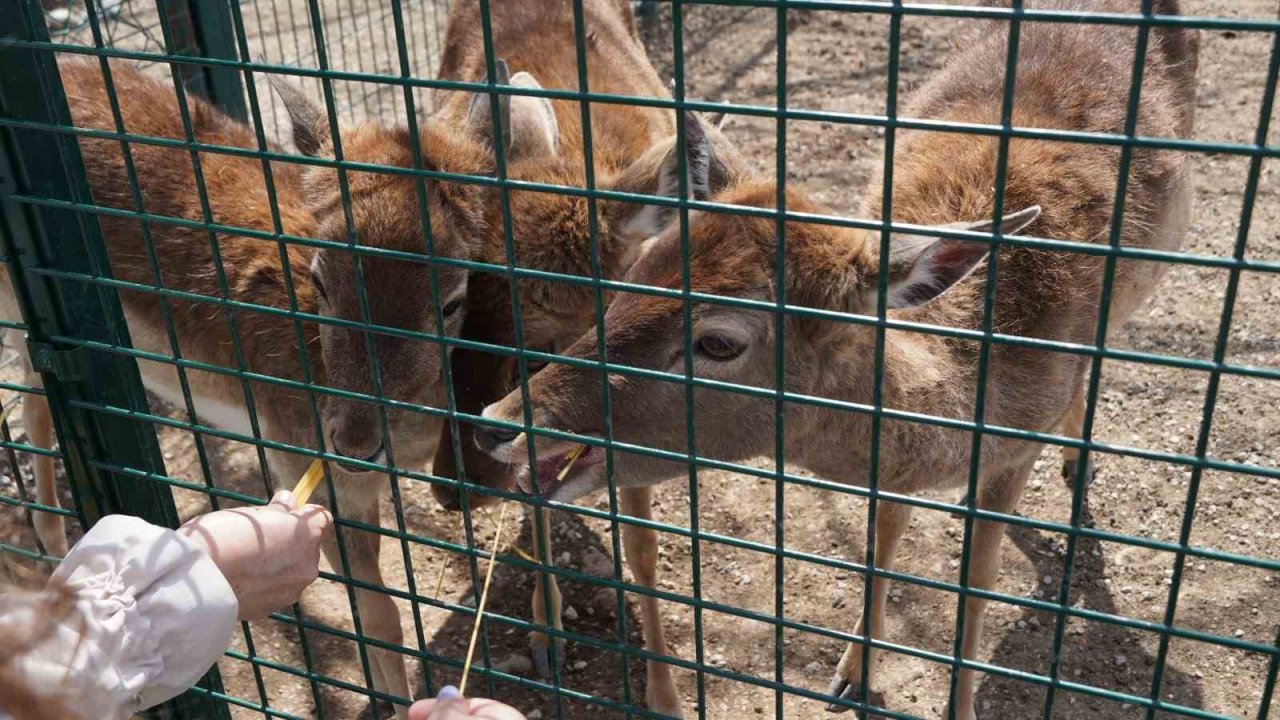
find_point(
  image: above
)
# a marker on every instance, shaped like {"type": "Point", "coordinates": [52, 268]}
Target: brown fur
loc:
{"type": "Point", "coordinates": [1069, 78]}
{"type": "Point", "coordinates": [384, 209]}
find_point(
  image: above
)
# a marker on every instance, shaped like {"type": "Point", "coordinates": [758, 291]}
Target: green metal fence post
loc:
{"type": "Point", "coordinates": [205, 28]}
{"type": "Point", "coordinates": [36, 239]}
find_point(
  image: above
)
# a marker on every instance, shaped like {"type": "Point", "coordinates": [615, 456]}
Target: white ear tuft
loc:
{"type": "Point", "coordinates": [534, 129]}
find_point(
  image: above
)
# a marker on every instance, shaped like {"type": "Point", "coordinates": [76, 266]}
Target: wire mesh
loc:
{"type": "Point", "coordinates": [1153, 593]}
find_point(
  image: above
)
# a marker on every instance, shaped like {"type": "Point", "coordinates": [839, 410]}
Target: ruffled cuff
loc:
{"type": "Point", "coordinates": [157, 612]}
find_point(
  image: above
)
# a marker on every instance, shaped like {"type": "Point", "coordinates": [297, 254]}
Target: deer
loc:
{"type": "Point", "coordinates": [1069, 78]}
{"type": "Point", "coordinates": [634, 151]}
{"type": "Point", "coordinates": [386, 216]}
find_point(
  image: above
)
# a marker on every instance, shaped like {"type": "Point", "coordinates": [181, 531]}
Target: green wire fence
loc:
{"type": "Point", "coordinates": [372, 60]}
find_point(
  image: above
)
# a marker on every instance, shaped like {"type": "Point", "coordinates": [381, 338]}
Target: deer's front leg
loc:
{"type": "Point", "coordinates": [544, 585]}
{"type": "Point", "coordinates": [891, 523]}
{"type": "Point", "coordinates": [999, 493]}
{"type": "Point", "coordinates": [641, 544]}
{"type": "Point", "coordinates": [379, 616]}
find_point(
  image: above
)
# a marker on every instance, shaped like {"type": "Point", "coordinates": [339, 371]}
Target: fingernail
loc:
{"type": "Point", "coordinates": [448, 692]}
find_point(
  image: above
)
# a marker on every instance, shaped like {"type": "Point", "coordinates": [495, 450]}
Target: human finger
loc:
{"type": "Point", "coordinates": [283, 501]}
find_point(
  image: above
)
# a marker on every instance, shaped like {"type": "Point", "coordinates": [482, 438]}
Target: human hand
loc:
{"type": "Point", "coordinates": [268, 554]}
{"type": "Point", "coordinates": [452, 706]}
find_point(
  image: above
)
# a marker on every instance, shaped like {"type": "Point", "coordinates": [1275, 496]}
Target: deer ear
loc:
{"type": "Point", "coordinates": [657, 172]}
{"type": "Point", "coordinates": [922, 267]}
{"type": "Point", "coordinates": [311, 132]}
{"type": "Point", "coordinates": [529, 126]}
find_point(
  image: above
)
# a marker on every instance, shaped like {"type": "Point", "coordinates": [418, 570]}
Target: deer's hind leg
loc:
{"type": "Point", "coordinates": [1073, 426]}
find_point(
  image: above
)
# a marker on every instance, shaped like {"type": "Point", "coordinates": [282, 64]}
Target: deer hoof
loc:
{"type": "Point", "coordinates": [1071, 468]}
{"type": "Point", "coordinates": [849, 690]}
{"type": "Point", "coordinates": [843, 689]}
{"type": "Point", "coordinates": [542, 658]}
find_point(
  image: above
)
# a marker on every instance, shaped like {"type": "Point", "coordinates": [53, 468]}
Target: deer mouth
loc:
{"type": "Point", "coordinates": [557, 470]}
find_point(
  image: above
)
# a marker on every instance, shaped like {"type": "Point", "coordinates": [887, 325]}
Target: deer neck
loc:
{"type": "Point", "coordinates": [922, 374]}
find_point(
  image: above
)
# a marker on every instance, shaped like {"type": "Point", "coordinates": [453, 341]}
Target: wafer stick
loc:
{"type": "Point", "coordinates": [570, 459]}
{"type": "Point", "coordinates": [484, 597]}
{"type": "Point", "coordinates": [307, 485]}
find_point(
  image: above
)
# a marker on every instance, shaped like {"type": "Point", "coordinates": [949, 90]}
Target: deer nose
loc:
{"type": "Point", "coordinates": [378, 457]}
{"type": "Point", "coordinates": [488, 438]}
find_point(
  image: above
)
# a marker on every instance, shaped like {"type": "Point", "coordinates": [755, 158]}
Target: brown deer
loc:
{"type": "Point", "coordinates": [634, 150]}
{"type": "Point", "coordinates": [1069, 77]}
{"type": "Point", "coordinates": [385, 212]}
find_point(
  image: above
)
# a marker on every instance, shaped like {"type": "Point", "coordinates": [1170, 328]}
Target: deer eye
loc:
{"type": "Point", "coordinates": [720, 347]}
{"type": "Point", "coordinates": [531, 365]}
{"type": "Point", "coordinates": [452, 307]}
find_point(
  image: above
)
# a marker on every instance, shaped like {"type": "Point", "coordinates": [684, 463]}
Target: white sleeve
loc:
{"type": "Point", "coordinates": [153, 614]}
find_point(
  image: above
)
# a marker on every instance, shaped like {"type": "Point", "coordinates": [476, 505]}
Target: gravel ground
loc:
{"type": "Point", "coordinates": [837, 61]}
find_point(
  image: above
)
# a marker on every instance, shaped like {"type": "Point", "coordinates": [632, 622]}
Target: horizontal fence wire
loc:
{"type": "Point", "coordinates": [372, 61]}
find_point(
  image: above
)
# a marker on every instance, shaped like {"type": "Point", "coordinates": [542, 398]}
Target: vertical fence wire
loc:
{"type": "Point", "coordinates": [606, 394]}
{"type": "Point", "coordinates": [686, 297]}
{"type": "Point", "coordinates": [779, 361]}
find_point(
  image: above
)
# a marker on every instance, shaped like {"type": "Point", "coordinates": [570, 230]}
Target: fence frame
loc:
{"type": "Point", "coordinates": [105, 429]}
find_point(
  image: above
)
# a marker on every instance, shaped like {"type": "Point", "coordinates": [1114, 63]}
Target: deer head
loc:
{"type": "Point", "coordinates": [730, 255]}
{"type": "Point", "coordinates": [552, 232]}
{"type": "Point", "coordinates": [368, 212]}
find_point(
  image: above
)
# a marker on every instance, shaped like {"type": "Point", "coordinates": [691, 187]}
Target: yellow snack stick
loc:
{"type": "Point", "coordinates": [484, 598]}
{"type": "Point", "coordinates": [570, 459]}
{"type": "Point", "coordinates": [307, 485]}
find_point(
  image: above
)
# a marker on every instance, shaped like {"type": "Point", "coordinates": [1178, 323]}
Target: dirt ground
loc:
{"type": "Point", "coordinates": [837, 61]}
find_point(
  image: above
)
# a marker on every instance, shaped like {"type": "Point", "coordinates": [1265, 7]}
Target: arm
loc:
{"type": "Point", "coordinates": [130, 641]}
{"type": "Point", "coordinates": [154, 608]}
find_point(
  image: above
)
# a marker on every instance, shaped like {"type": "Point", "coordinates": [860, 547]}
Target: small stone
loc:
{"type": "Point", "coordinates": [534, 714]}
{"type": "Point", "coordinates": [1121, 660]}
{"type": "Point", "coordinates": [596, 563]}
{"type": "Point", "coordinates": [1239, 633]}
{"type": "Point", "coordinates": [564, 558]}
{"type": "Point", "coordinates": [1047, 579]}
{"type": "Point", "coordinates": [570, 613]}
{"type": "Point", "coordinates": [515, 664]}
{"type": "Point", "coordinates": [580, 665]}
{"type": "Point", "coordinates": [813, 668]}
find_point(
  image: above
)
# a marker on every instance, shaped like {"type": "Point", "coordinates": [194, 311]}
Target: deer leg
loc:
{"type": "Point", "coordinates": [544, 584]}
{"type": "Point", "coordinates": [641, 545]}
{"type": "Point", "coordinates": [891, 523]}
{"type": "Point", "coordinates": [50, 528]}
{"type": "Point", "coordinates": [999, 494]}
{"type": "Point", "coordinates": [1073, 425]}
{"type": "Point", "coordinates": [379, 616]}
